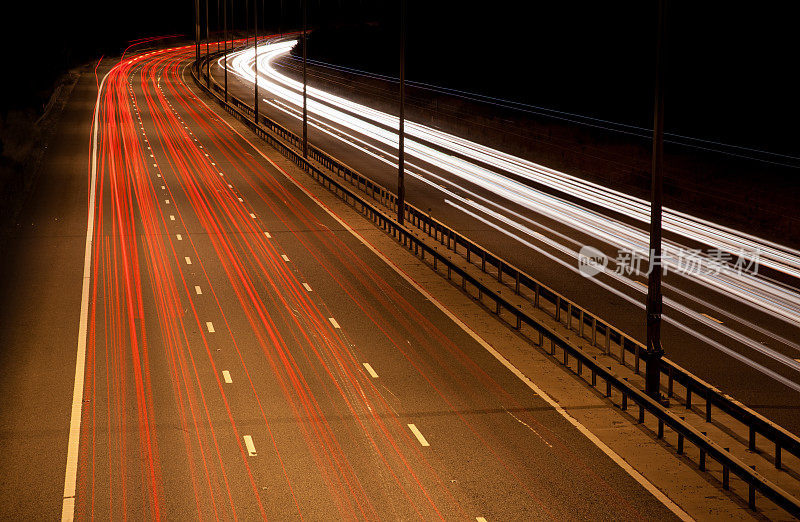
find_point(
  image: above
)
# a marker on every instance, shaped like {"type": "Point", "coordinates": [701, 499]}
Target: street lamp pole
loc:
{"type": "Point", "coordinates": [305, 83]}
{"type": "Point", "coordinates": [225, 59]}
{"type": "Point", "coordinates": [197, 36]}
{"type": "Point", "coordinates": [208, 37]}
{"type": "Point", "coordinates": [654, 298]}
{"type": "Point", "coordinates": [401, 163]}
{"type": "Point", "coordinates": [255, 42]}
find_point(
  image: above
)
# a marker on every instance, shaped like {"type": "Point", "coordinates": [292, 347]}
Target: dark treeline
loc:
{"type": "Point", "coordinates": [730, 78]}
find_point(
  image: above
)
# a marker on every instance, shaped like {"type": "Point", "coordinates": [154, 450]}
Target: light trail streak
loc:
{"type": "Point", "coordinates": [159, 421]}
{"type": "Point", "coordinates": [488, 169]}
{"type": "Point", "coordinates": [469, 161]}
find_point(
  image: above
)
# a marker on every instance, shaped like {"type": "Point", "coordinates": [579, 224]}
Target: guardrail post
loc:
{"type": "Point", "coordinates": [516, 284]}
{"type": "Point", "coordinates": [708, 407]}
{"type": "Point", "coordinates": [777, 456]}
{"type": "Point", "coordinates": [752, 439]}
{"type": "Point", "coordinates": [569, 316]}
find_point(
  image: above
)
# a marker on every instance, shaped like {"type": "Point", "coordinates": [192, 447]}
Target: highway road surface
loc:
{"type": "Point", "coordinates": [731, 302]}
{"type": "Point", "coordinates": [209, 342]}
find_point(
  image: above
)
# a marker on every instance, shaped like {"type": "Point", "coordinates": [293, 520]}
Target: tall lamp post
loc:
{"type": "Point", "coordinates": [654, 301]}
{"type": "Point", "coordinates": [255, 43]}
{"type": "Point", "coordinates": [305, 83]}
{"type": "Point", "coordinates": [225, 59]}
{"type": "Point", "coordinates": [401, 167]}
{"type": "Point", "coordinates": [197, 36]}
{"type": "Point", "coordinates": [208, 37]}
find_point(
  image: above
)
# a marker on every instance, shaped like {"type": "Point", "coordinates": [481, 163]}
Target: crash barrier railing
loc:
{"type": "Point", "coordinates": [278, 136]}
{"type": "Point", "coordinates": [600, 333]}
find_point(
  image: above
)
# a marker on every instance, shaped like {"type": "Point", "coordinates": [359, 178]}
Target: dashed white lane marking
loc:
{"type": "Point", "coordinates": [252, 215]}
{"type": "Point", "coordinates": [230, 186]}
{"type": "Point", "coordinates": [210, 327]}
{"type": "Point", "coordinates": [180, 237]}
{"type": "Point", "coordinates": [166, 201]}
{"type": "Point", "coordinates": [268, 235]}
{"type": "Point", "coordinates": [285, 257]}
{"type": "Point", "coordinates": [333, 322]}
{"type": "Point", "coordinates": [171, 217]}
{"type": "Point", "coordinates": [221, 174]}
{"type": "Point", "coordinates": [480, 519]}
{"type": "Point", "coordinates": [307, 287]}
{"type": "Point", "coordinates": [188, 260]}
{"type": "Point", "coordinates": [251, 448]}
{"type": "Point", "coordinates": [163, 187]}
{"type": "Point", "coordinates": [159, 175]}
{"type": "Point", "coordinates": [227, 376]}
{"type": "Point", "coordinates": [372, 373]}
{"type": "Point", "coordinates": [240, 199]}
{"type": "Point", "coordinates": [712, 318]}
{"type": "Point", "coordinates": [155, 164]}
{"type": "Point", "coordinates": [197, 290]}
{"type": "Point", "coordinates": [418, 435]}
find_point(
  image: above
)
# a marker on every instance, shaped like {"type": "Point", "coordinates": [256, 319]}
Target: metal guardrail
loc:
{"type": "Point", "coordinates": [612, 341]}
{"type": "Point", "coordinates": [278, 136]}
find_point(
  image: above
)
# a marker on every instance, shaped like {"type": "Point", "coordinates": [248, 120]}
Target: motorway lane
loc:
{"type": "Point", "coordinates": [692, 339]}
{"type": "Point", "coordinates": [230, 322]}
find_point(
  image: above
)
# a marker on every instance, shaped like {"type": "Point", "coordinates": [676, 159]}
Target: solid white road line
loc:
{"type": "Point", "coordinates": [285, 257]}
{"type": "Point", "coordinates": [371, 372]}
{"type": "Point", "coordinates": [210, 326]}
{"type": "Point", "coordinates": [251, 448]}
{"type": "Point", "coordinates": [307, 287]}
{"type": "Point", "coordinates": [197, 290]}
{"type": "Point", "coordinates": [672, 506]}
{"type": "Point", "coordinates": [71, 473]}
{"type": "Point", "coordinates": [418, 435]}
{"type": "Point", "coordinates": [333, 322]}
{"type": "Point", "coordinates": [227, 376]}
{"type": "Point", "coordinates": [188, 260]}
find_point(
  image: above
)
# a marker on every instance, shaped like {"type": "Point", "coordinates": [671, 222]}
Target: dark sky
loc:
{"type": "Point", "coordinates": [731, 64]}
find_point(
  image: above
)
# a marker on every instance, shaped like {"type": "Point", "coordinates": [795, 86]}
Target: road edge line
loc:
{"type": "Point", "coordinates": [71, 472]}
{"type": "Point", "coordinates": [622, 463]}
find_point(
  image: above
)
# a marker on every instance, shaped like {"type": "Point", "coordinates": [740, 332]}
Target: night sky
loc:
{"type": "Point", "coordinates": [730, 72]}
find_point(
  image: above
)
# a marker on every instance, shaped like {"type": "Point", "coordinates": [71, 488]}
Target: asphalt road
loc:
{"type": "Point", "coordinates": [746, 350]}
{"type": "Point", "coordinates": [245, 356]}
